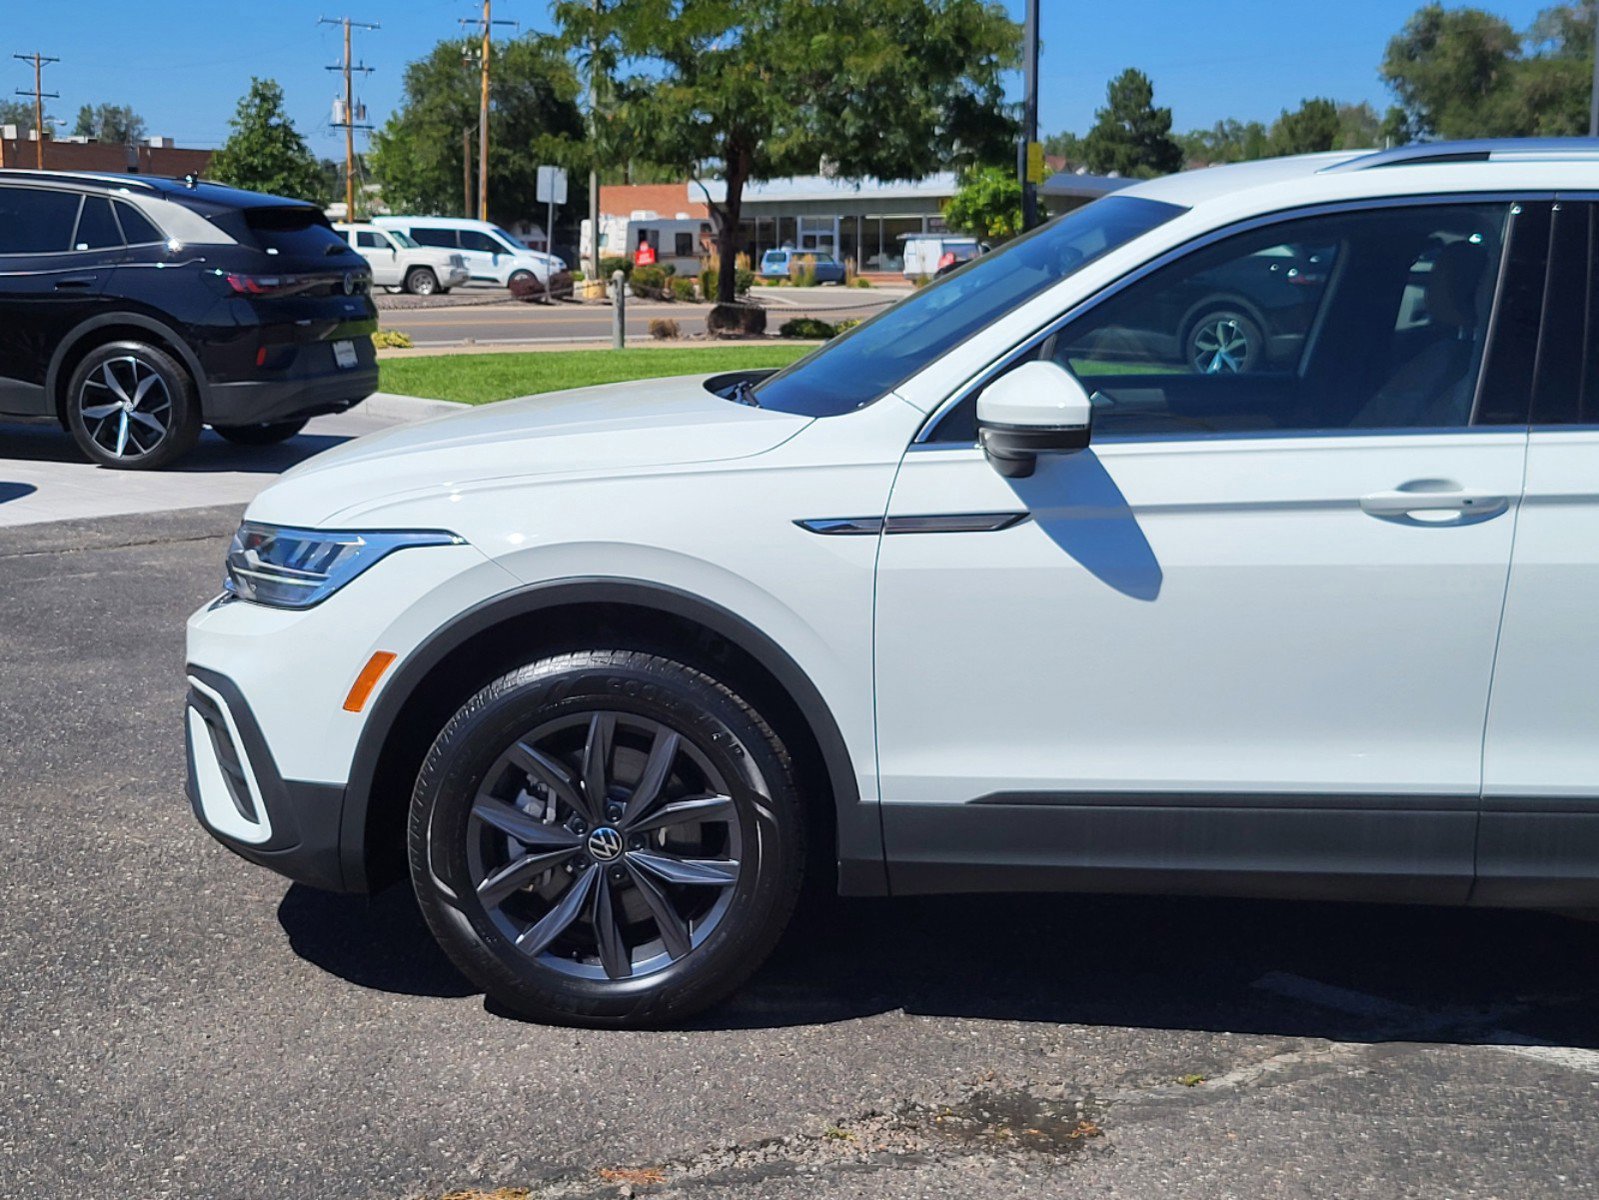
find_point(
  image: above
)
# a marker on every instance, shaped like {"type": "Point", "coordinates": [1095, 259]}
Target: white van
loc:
{"type": "Point", "coordinates": [492, 255]}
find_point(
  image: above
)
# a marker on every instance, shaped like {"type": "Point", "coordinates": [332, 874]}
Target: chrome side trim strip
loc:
{"type": "Point", "coordinates": [928, 523]}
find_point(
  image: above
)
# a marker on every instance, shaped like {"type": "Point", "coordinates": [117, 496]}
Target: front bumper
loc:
{"type": "Point", "coordinates": [238, 794]}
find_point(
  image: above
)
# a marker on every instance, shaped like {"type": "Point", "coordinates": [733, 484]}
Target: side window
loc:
{"type": "Point", "coordinates": [473, 239]}
{"type": "Point", "coordinates": [429, 236]}
{"type": "Point", "coordinates": [1566, 391]}
{"type": "Point", "coordinates": [1373, 320]}
{"type": "Point", "coordinates": [136, 227]}
{"type": "Point", "coordinates": [36, 221]}
{"type": "Point", "coordinates": [367, 239]}
{"type": "Point", "coordinates": [683, 245]}
{"type": "Point", "coordinates": [97, 228]}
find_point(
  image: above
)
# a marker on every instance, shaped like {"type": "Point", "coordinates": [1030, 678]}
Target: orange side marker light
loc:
{"type": "Point", "coordinates": [361, 689]}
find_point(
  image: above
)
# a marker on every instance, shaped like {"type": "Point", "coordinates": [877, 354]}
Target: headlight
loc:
{"type": "Point", "coordinates": [296, 568]}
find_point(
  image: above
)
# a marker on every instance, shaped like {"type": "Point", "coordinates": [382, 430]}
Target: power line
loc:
{"type": "Point", "coordinates": [39, 97]}
{"type": "Point", "coordinates": [486, 25]}
{"type": "Point", "coordinates": [354, 118]}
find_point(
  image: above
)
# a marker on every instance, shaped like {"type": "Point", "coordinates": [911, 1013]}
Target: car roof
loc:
{"type": "Point", "coordinates": [162, 185]}
{"type": "Point", "coordinates": [441, 222]}
{"type": "Point", "coordinates": [1486, 165]}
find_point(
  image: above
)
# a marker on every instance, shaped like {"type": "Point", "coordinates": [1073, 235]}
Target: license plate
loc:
{"type": "Point", "coordinates": [344, 354]}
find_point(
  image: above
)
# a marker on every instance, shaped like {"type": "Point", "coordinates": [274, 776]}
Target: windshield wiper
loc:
{"type": "Point", "coordinates": [743, 392]}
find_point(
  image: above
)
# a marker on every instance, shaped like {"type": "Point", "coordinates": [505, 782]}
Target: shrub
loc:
{"type": "Point", "coordinates": [860, 281]}
{"type": "Point", "coordinates": [682, 289]}
{"type": "Point", "coordinates": [578, 277]}
{"type": "Point", "coordinates": [650, 283]}
{"type": "Point", "coordinates": [806, 327]}
{"type": "Point", "coordinates": [610, 266]}
{"type": "Point", "coordinates": [664, 328]}
{"type": "Point", "coordinates": [391, 339]}
{"type": "Point", "coordinates": [802, 271]}
{"type": "Point", "coordinates": [735, 319]}
{"type": "Point", "coordinates": [846, 324]}
{"type": "Point", "coordinates": [743, 280]}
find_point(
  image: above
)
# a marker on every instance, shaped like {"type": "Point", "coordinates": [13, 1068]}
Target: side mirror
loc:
{"type": "Point", "coordinates": [1039, 408]}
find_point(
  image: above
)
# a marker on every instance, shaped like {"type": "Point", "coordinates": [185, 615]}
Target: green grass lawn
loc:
{"type": "Point", "coordinates": [485, 378]}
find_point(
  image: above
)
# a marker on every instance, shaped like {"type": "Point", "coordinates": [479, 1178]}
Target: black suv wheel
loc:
{"type": "Point", "coordinates": [607, 838]}
{"type": "Point", "coordinates": [131, 405]}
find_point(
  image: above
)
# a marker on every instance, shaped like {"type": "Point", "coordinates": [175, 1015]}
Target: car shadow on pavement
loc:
{"type": "Point", "coordinates": [46, 443]}
{"type": "Point", "coordinates": [1359, 973]}
{"type": "Point", "coordinates": [15, 491]}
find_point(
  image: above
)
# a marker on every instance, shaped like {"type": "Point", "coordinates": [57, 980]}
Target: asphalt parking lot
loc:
{"type": "Point", "coordinates": [179, 1023]}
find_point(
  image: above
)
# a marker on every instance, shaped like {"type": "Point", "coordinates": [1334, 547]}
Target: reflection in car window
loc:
{"type": "Point", "coordinates": [872, 359]}
{"type": "Point", "coordinates": [472, 239]}
{"type": "Point", "coordinates": [1373, 320]}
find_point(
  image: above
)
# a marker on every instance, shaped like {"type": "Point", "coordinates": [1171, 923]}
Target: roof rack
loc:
{"type": "Point", "coordinates": [1476, 150]}
{"type": "Point", "coordinates": [107, 177]}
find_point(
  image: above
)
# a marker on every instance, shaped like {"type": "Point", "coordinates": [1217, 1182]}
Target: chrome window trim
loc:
{"type": "Point", "coordinates": [1248, 225]}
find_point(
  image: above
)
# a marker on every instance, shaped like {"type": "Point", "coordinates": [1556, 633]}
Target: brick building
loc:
{"type": "Point", "coordinates": [153, 156]}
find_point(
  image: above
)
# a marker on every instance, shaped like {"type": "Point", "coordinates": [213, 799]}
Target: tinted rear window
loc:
{"type": "Point", "coordinates": [97, 229]}
{"type": "Point", "coordinates": [428, 236]}
{"type": "Point", "coordinates": [294, 232]}
{"type": "Point", "coordinates": [35, 221]}
{"type": "Point", "coordinates": [136, 227]}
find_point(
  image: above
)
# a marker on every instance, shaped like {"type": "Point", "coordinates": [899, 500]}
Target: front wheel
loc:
{"type": "Point", "coordinates": [269, 434]}
{"type": "Point", "coordinates": [420, 281]}
{"type": "Point", "coordinates": [607, 838]}
{"type": "Point", "coordinates": [1224, 341]}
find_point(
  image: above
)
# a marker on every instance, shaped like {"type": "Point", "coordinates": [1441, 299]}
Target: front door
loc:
{"type": "Point", "coordinates": [381, 256]}
{"type": "Point", "coordinates": [57, 249]}
{"type": "Point", "coordinates": [1243, 642]}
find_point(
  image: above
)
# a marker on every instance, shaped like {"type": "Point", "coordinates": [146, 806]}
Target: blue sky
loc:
{"type": "Point", "coordinates": [184, 66]}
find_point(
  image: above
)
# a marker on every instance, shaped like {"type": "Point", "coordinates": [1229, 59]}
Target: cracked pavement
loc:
{"type": "Point", "coordinates": [179, 1023]}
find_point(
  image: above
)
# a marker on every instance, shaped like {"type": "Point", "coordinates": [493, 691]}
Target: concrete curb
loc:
{"type": "Point", "coordinates": [394, 407]}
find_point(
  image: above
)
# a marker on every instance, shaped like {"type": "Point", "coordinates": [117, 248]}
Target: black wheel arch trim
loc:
{"type": "Point", "coordinates": [168, 335]}
{"type": "Point", "coordinates": [861, 867]}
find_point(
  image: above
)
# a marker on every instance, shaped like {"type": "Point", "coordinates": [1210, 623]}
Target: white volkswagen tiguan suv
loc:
{"type": "Point", "coordinates": [1237, 533]}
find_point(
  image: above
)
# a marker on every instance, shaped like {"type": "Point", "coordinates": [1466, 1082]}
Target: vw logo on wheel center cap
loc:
{"type": "Point", "coordinates": [605, 844]}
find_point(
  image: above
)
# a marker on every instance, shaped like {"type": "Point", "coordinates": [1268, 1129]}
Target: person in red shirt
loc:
{"type": "Point", "coordinates": [644, 254]}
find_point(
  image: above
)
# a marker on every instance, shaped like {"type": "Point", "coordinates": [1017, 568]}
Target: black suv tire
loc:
{"type": "Point", "coordinates": [132, 406]}
{"type": "Point", "coordinates": [657, 913]}
{"type": "Point", "coordinates": [263, 435]}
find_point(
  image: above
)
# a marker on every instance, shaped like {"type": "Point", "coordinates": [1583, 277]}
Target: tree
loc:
{"type": "Point", "coordinates": [1226, 141]}
{"type": "Point", "coordinates": [265, 153]}
{"type": "Point", "coordinates": [1130, 135]}
{"type": "Point", "coordinates": [116, 123]}
{"type": "Point", "coordinates": [759, 89]}
{"type": "Point", "coordinates": [1462, 73]}
{"type": "Point", "coordinates": [987, 205]}
{"type": "Point", "coordinates": [1310, 128]}
{"type": "Point", "coordinates": [533, 119]}
{"type": "Point", "coordinates": [1067, 145]}
{"type": "Point", "coordinates": [20, 114]}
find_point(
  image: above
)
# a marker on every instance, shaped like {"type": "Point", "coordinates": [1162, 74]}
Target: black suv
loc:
{"type": "Point", "coordinates": [136, 310]}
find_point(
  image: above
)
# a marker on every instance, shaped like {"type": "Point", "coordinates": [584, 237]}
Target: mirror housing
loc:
{"type": "Point", "coordinates": [1038, 408]}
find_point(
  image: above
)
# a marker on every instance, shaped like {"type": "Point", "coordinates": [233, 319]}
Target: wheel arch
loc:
{"type": "Point", "coordinates": [489, 639]}
{"type": "Point", "coordinates": [116, 327]}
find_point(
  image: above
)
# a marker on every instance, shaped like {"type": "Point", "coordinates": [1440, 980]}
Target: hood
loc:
{"type": "Point", "coordinates": [616, 429]}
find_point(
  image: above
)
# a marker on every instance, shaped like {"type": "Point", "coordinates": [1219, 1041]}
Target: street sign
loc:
{"type": "Point", "coordinates": [1036, 170]}
{"type": "Point", "coordinates": [552, 185]}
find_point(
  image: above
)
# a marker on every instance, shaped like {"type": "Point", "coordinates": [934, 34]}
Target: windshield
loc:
{"type": "Point", "coordinates": [405, 240]}
{"type": "Point", "coordinates": [514, 242]}
{"type": "Point", "coordinates": [871, 360]}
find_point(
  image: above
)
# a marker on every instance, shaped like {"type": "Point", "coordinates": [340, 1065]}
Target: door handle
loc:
{"type": "Point", "coordinates": [1433, 502]}
{"type": "Point", "coordinates": [75, 283]}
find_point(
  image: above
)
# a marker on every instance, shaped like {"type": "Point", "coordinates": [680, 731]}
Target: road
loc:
{"type": "Point", "coordinates": [571, 322]}
{"type": "Point", "coordinates": [180, 1023]}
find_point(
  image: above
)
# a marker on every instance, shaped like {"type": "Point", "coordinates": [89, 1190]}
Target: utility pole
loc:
{"type": "Point", "coordinates": [466, 171]}
{"type": "Point", "coordinates": [1029, 152]}
{"type": "Point", "coordinates": [487, 23]}
{"type": "Point", "coordinates": [350, 123]}
{"type": "Point", "coordinates": [593, 269]}
{"type": "Point", "coordinates": [1593, 104]}
{"type": "Point", "coordinates": [39, 97]}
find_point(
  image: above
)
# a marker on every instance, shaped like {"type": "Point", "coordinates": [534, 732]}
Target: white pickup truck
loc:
{"type": "Point", "coordinates": [397, 261]}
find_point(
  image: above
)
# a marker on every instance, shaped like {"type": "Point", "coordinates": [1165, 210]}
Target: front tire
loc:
{"type": "Point", "coordinates": [607, 838]}
{"type": "Point", "coordinates": [131, 406]}
{"type": "Point", "coordinates": [420, 281]}
{"type": "Point", "coordinates": [269, 434]}
{"type": "Point", "coordinates": [1224, 341]}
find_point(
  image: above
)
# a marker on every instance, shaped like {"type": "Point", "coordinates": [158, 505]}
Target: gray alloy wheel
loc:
{"type": "Point", "coordinates": [420, 281]}
{"type": "Point", "coordinates": [1224, 342]}
{"type": "Point", "coordinates": [131, 405]}
{"type": "Point", "coordinates": [604, 846]}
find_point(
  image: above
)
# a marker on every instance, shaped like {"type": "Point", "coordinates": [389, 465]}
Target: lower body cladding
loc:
{"type": "Point", "coordinates": [271, 746]}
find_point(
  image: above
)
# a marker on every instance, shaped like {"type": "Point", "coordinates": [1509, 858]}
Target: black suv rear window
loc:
{"type": "Point", "coordinates": [294, 232]}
